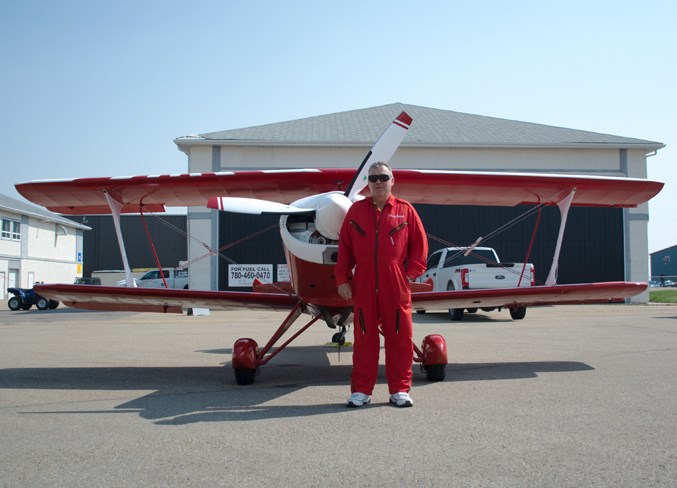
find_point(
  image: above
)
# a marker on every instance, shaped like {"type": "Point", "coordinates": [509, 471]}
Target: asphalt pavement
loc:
{"type": "Point", "coordinates": [570, 396]}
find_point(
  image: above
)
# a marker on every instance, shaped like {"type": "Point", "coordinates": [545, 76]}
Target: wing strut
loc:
{"type": "Point", "coordinates": [564, 206]}
{"type": "Point", "coordinates": [152, 248]}
{"type": "Point", "coordinates": [115, 208]}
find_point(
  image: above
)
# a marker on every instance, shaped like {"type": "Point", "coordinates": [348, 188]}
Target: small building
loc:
{"type": "Point", "coordinates": [37, 246]}
{"type": "Point", "coordinates": [664, 264]}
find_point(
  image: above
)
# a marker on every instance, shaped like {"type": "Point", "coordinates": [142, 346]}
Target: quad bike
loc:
{"type": "Point", "coordinates": [25, 298]}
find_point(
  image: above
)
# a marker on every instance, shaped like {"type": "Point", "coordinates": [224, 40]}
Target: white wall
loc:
{"type": "Point", "coordinates": [46, 250]}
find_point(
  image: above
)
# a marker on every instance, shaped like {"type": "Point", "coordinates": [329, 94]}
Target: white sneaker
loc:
{"type": "Point", "coordinates": [401, 399]}
{"type": "Point", "coordinates": [358, 399]}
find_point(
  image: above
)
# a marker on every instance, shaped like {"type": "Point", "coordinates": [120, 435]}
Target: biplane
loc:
{"type": "Point", "coordinates": [311, 204]}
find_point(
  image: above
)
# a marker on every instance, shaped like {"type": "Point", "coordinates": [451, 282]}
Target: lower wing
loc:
{"type": "Point", "coordinates": [522, 297]}
{"type": "Point", "coordinates": [167, 300]}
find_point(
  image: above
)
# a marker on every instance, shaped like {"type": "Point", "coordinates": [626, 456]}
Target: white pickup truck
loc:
{"type": "Point", "coordinates": [450, 269]}
{"type": "Point", "coordinates": [175, 278]}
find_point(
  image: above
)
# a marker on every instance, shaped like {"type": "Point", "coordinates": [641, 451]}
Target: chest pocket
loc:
{"type": "Point", "coordinates": [398, 237]}
{"type": "Point", "coordinates": [399, 228]}
{"type": "Point", "coordinates": [358, 228]}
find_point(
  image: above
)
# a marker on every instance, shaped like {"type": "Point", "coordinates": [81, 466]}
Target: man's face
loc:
{"type": "Point", "coordinates": [381, 189]}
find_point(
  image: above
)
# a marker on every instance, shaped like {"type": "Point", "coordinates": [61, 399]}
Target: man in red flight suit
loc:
{"type": "Point", "coordinates": [383, 239]}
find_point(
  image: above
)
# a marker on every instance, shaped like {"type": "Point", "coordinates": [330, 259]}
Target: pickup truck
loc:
{"type": "Point", "coordinates": [450, 269]}
{"type": "Point", "coordinates": [175, 278]}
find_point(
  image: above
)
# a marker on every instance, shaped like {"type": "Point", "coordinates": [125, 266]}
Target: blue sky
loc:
{"type": "Point", "coordinates": [103, 88]}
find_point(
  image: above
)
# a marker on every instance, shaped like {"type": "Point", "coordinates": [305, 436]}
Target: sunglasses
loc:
{"type": "Point", "coordinates": [375, 178]}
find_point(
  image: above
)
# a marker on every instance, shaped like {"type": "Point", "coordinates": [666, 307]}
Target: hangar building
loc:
{"type": "Point", "coordinates": [600, 244]}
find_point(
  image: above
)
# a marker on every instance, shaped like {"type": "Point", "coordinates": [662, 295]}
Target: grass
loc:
{"type": "Point", "coordinates": [663, 295]}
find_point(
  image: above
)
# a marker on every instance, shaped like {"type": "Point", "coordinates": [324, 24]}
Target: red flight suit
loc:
{"type": "Point", "coordinates": [387, 248]}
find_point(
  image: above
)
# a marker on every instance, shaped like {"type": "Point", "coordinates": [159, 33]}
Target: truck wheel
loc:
{"type": "Point", "coordinates": [14, 304]}
{"type": "Point", "coordinates": [42, 303]}
{"type": "Point", "coordinates": [456, 314]}
{"type": "Point", "coordinates": [518, 313]}
{"type": "Point", "coordinates": [471, 310]}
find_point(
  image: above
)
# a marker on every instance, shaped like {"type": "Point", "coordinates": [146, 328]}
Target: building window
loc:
{"type": "Point", "coordinates": [11, 229]}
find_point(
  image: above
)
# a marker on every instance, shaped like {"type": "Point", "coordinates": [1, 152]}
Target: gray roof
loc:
{"type": "Point", "coordinates": [13, 205]}
{"type": "Point", "coordinates": [431, 128]}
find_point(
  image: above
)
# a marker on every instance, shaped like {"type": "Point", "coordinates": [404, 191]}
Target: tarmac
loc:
{"type": "Point", "coordinates": [570, 396]}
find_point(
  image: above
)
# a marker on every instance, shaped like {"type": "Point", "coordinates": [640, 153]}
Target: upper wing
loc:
{"type": "Point", "coordinates": [162, 299]}
{"type": "Point", "coordinates": [529, 296]}
{"type": "Point", "coordinates": [154, 193]}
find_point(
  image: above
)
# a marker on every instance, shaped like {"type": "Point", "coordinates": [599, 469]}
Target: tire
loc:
{"type": "Point", "coordinates": [420, 311]}
{"type": "Point", "coordinates": [244, 376]}
{"type": "Point", "coordinates": [435, 372]}
{"type": "Point", "coordinates": [25, 306]}
{"type": "Point", "coordinates": [53, 304]}
{"type": "Point", "coordinates": [339, 339]}
{"type": "Point", "coordinates": [456, 314]}
{"type": "Point", "coordinates": [42, 303]}
{"type": "Point", "coordinates": [14, 304]}
{"type": "Point", "coordinates": [518, 313]}
{"type": "Point", "coordinates": [471, 310]}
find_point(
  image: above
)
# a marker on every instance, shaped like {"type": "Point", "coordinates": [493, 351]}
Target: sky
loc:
{"type": "Point", "coordinates": [103, 88]}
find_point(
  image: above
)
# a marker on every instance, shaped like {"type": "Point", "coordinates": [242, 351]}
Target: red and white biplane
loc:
{"type": "Point", "coordinates": [312, 204]}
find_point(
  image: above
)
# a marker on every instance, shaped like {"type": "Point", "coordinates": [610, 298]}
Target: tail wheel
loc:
{"type": "Point", "coordinates": [339, 338]}
{"type": "Point", "coordinates": [518, 313]}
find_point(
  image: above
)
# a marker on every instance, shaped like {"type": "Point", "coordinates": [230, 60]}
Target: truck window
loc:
{"type": "Point", "coordinates": [477, 256]}
{"type": "Point", "coordinates": [433, 260]}
{"type": "Point", "coordinates": [151, 275]}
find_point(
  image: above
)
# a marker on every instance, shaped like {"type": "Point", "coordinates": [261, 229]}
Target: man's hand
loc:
{"type": "Point", "coordinates": [346, 291]}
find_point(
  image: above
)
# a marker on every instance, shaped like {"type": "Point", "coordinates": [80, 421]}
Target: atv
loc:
{"type": "Point", "coordinates": [25, 298]}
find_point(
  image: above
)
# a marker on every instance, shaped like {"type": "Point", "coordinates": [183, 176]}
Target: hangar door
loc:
{"type": "Point", "coordinates": [592, 249]}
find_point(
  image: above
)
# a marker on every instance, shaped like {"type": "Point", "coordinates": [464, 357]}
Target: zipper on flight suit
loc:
{"type": "Point", "coordinates": [378, 223]}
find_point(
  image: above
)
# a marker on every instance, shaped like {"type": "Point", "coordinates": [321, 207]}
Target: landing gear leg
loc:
{"type": "Point", "coordinates": [248, 357]}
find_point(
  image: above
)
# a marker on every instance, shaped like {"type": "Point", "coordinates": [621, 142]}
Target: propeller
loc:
{"type": "Point", "coordinates": [383, 150]}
